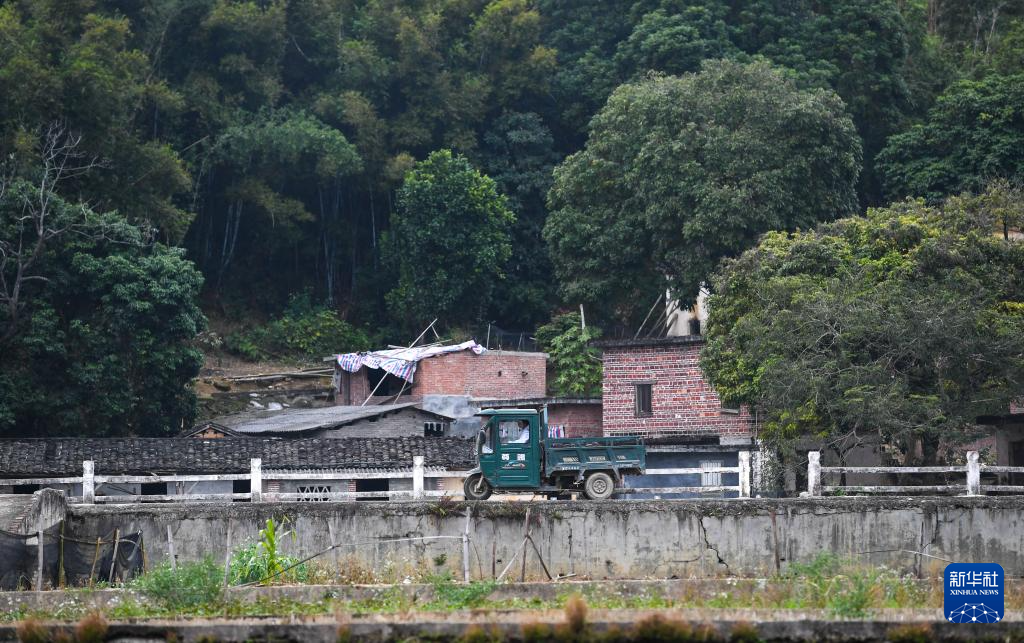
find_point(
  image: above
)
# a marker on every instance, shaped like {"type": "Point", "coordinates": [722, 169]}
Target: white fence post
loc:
{"type": "Point", "coordinates": [256, 480]}
{"type": "Point", "coordinates": [417, 477]}
{"type": "Point", "coordinates": [88, 482]}
{"type": "Point", "coordinates": [814, 473]}
{"type": "Point", "coordinates": [973, 474]}
{"type": "Point", "coordinates": [744, 474]}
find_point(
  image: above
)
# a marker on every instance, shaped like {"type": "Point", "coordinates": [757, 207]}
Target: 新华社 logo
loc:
{"type": "Point", "coordinates": [974, 593]}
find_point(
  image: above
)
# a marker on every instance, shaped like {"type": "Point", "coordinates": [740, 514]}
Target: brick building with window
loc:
{"type": "Point", "coordinates": [654, 388]}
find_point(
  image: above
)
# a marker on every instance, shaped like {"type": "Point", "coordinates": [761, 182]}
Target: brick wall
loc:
{"type": "Point", "coordinates": [494, 374]}
{"type": "Point", "coordinates": [683, 403]}
{"type": "Point", "coordinates": [579, 420]}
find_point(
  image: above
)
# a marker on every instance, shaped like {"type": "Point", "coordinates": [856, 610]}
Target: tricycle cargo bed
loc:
{"type": "Point", "coordinates": [588, 454]}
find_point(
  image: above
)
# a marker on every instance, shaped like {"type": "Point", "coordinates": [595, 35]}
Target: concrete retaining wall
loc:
{"type": "Point", "coordinates": [616, 539]}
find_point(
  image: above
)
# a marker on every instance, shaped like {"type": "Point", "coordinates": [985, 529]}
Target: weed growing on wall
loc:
{"type": "Point", "coordinates": [263, 562]}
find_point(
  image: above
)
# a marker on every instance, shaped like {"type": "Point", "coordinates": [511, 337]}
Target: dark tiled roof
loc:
{"type": "Point", "coordinates": [140, 456]}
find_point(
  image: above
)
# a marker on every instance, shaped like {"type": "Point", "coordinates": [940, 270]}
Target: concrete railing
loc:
{"type": "Point", "coordinates": [742, 488]}
{"type": "Point", "coordinates": [90, 481]}
{"type": "Point", "coordinates": [971, 471]}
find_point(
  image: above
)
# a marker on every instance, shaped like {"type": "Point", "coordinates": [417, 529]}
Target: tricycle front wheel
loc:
{"type": "Point", "coordinates": [476, 487]}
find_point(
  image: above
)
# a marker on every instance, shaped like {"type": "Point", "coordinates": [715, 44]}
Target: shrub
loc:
{"type": "Point", "coordinates": [306, 329]}
{"type": "Point", "coordinates": [189, 586]}
{"type": "Point", "coordinates": [576, 366]}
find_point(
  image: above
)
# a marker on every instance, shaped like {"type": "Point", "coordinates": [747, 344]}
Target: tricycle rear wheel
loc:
{"type": "Point", "coordinates": [599, 486]}
{"type": "Point", "coordinates": [476, 487]}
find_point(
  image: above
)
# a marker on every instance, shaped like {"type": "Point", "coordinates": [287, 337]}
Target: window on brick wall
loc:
{"type": "Point", "coordinates": [642, 403]}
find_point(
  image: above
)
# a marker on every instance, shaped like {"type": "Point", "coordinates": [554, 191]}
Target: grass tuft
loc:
{"type": "Point", "coordinates": [32, 631]}
{"type": "Point", "coordinates": [91, 629]}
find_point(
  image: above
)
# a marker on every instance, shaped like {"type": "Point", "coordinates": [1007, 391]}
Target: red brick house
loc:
{"type": "Point", "coordinates": [465, 373]}
{"type": "Point", "coordinates": [446, 380]}
{"type": "Point", "coordinates": [654, 388]}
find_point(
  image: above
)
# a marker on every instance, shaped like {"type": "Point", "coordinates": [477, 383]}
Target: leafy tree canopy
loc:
{"type": "Point", "coordinates": [448, 243]}
{"type": "Point", "coordinates": [973, 135]}
{"type": "Point", "coordinates": [101, 344]}
{"type": "Point", "coordinates": [907, 324]}
{"type": "Point", "coordinates": [679, 172]}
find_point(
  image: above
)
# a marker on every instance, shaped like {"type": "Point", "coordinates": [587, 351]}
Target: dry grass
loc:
{"type": "Point", "coordinates": [91, 629]}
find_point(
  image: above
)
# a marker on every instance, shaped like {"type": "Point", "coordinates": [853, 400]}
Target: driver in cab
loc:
{"type": "Point", "coordinates": [522, 438]}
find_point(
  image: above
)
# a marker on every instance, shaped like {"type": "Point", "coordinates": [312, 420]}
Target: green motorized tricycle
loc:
{"type": "Point", "coordinates": [515, 454]}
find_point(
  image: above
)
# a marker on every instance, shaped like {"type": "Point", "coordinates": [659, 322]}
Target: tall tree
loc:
{"type": "Point", "coordinates": [973, 135]}
{"type": "Point", "coordinates": [64, 61]}
{"type": "Point", "coordinates": [680, 172]}
{"type": "Point", "coordinates": [97, 318]}
{"type": "Point", "coordinates": [448, 244]}
{"type": "Point", "coordinates": [903, 326]}
{"type": "Point", "coordinates": [856, 47]}
{"type": "Point", "coordinates": [517, 152]}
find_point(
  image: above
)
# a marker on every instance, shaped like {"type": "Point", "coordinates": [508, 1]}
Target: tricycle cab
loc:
{"type": "Point", "coordinates": [509, 448]}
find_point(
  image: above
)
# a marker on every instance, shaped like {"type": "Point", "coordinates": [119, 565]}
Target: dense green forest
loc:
{"type": "Point", "coordinates": [364, 166]}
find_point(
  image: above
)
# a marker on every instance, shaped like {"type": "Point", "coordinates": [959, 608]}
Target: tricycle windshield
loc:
{"type": "Point", "coordinates": [514, 431]}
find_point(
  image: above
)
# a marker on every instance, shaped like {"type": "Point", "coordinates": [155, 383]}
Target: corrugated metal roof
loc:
{"type": "Point", "coordinates": [300, 420]}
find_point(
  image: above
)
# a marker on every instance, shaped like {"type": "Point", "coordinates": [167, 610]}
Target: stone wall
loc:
{"type": "Point", "coordinates": [493, 374]}
{"type": "Point", "coordinates": [615, 539]}
{"type": "Point", "coordinates": [683, 404]}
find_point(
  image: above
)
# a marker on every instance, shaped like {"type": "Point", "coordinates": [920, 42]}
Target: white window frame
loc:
{"type": "Point", "coordinates": [709, 477]}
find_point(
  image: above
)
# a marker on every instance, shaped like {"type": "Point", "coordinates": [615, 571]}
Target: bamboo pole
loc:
{"type": "Point", "coordinates": [415, 341]}
{"type": "Point", "coordinates": [113, 557]}
{"type": "Point", "coordinates": [95, 559]}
